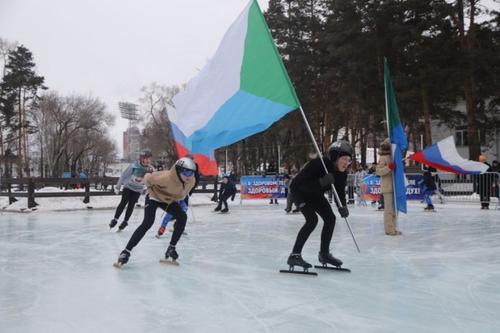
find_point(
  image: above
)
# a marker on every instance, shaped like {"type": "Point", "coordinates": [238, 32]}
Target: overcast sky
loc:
{"type": "Point", "coordinates": [110, 49]}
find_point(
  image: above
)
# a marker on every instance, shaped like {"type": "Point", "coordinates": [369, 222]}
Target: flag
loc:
{"type": "Point", "coordinates": [444, 156]}
{"type": "Point", "coordinates": [242, 91]}
{"type": "Point", "coordinates": [398, 140]}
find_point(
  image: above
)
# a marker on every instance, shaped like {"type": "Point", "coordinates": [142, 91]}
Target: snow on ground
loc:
{"type": "Point", "coordinates": [441, 275]}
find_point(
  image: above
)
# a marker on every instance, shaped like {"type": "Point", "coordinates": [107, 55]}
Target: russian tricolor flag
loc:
{"type": "Point", "coordinates": [444, 156]}
{"type": "Point", "coordinates": [242, 91]}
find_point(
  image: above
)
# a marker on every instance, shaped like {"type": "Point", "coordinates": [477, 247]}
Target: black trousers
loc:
{"type": "Point", "coordinates": [223, 200]}
{"type": "Point", "coordinates": [149, 218]}
{"type": "Point", "coordinates": [310, 211]}
{"type": "Point", "coordinates": [128, 197]}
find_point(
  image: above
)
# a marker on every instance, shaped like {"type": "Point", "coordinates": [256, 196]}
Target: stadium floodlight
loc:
{"type": "Point", "coordinates": [129, 111]}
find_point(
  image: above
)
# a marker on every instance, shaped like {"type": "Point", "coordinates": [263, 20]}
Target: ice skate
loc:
{"type": "Point", "coordinates": [217, 209]}
{"type": "Point", "coordinates": [429, 208]}
{"type": "Point", "coordinates": [112, 223]}
{"type": "Point", "coordinates": [171, 256]}
{"type": "Point", "coordinates": [295, 259]}
{"type": "Point", "coordinates": [160, 233]}
{"type": "Point", "coordinates": [122, 226]}
{"type": "Point", "coordinates": [327, 258]}
{"type": "Point", "coordinates": [225, 210]}
{"type": "Point", "coordinates": [122, 259]}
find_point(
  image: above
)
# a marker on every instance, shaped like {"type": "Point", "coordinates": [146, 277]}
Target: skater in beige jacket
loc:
{"type": "Point", "coordinates": [165, 189]}
{"type": "Point", "coordinates": [385, 169]}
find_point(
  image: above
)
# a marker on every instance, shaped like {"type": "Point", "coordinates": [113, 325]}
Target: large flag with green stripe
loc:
{"type": "Point", "coordinates": [243, 90]}
{"type": "Point", "coordinates": [399, 142]}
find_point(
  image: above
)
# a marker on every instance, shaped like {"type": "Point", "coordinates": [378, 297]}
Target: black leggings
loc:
{"type": "Point", "coordinates": [323, 208]}
{"type": "Point", "coordinates": [130, 197]}
{"type": "Point", "coordinates": [149, 218]}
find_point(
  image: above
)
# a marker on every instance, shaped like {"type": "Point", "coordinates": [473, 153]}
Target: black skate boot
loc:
{"type": "Point", "coordinates": [218, 208]}
{"type": "Point", "coordinates": [112, 223]}
{"type": "Point", "coordinates": [429, 208]}
{"type": "Point", "coordinates": [171, 256]}
{"type": "Point", "coordinates": [225, 210]}
{"type": "Point", "coordinates": [327, 258]}
{"type": "Point", "coordinates": [122, 225]}
{"type": "Point", "coordinates": [295, 259]}
{"type": "Point", "coordinates": [122, 259]}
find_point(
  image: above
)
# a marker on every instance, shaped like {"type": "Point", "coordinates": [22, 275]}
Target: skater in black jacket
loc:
{"type": "Point", "coordinates": [308, 189]}
{"type": "Point", "coordinates": [227, 190]}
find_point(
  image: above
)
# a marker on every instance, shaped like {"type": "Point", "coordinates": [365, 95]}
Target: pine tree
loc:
{"type": "Point", "coordinates": [19, 89]}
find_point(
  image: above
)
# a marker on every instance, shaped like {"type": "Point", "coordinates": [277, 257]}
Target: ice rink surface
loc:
{"type": "Point", "coordinates": [441, 275]}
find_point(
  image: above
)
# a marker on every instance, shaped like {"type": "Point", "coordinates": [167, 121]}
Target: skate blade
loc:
{"type": "Point", "coordinates": [297, 272]}
{"type": "Point", "coordinates": [117, 265]}
{"type": "Point", "coordinates": [333, 268]}
{"type": "Point", "coordinates": [169, 262]}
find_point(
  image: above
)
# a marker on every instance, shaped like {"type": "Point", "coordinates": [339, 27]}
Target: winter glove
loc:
{"type": "Point", "coordinates": [327, 180]}
{"type": "Point", "coordinates": [117, 189]}
{"type": "Point", "coordinates": [343, 211]}
{"type": "Point", "coordinates": [392, 165]}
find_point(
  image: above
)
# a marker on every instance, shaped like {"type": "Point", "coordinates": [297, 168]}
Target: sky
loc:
{"type": "Point", "coordinates": [110, 49]}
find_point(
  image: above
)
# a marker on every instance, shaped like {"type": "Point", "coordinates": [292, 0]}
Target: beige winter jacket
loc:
{"type": "Point", "coordinates": [384, 172]}
{"type": "Point", "coordinates": [166, 186]}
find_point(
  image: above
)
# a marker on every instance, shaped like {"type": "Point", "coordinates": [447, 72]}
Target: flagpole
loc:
{"type": "Point", "coordinates": [337, 198]}
{"type": "Point", "coordinates": [392, 154]}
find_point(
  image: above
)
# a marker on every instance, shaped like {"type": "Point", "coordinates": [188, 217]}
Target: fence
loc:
{"type": "Point", "coordinates": [27, 187]}
{"type": "Point", "coordinates": [483, 188]}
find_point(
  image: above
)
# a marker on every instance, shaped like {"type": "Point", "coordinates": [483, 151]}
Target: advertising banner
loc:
{"type": "Point", "coordinates": [261, 187]}
{"type": "Point", "coordinates": [370, 187]}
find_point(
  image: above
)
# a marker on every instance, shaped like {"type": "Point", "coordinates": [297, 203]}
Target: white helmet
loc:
{"type": "Point", "coordinates": [185, 163]}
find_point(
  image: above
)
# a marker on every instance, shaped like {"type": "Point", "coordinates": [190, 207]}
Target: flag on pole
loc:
{"type": "Point", "coordinates": [398, 140]}
{"type": "Point", "coordinates": [444, 156]}
{"type": "Point", "coordinates": [242, 91]}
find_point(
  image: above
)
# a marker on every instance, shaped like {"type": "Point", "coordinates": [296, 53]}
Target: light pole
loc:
{"type": "Point", "coordinates": [130, 112]}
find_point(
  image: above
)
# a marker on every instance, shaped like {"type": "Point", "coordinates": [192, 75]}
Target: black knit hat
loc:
{"type": "Point", "coordinates": [338, 149]}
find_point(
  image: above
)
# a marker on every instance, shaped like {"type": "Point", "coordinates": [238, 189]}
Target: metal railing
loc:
{"type": "Point", "coordinates": [483, 188]}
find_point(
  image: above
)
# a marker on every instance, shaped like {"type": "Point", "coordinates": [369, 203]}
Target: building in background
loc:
{"type": "Point", "coordinates": [131, 144]}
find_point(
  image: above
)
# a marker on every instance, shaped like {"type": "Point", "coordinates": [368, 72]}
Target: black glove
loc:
{"type": "Point", "coordinates": [327, 180]}
{"type": "Point", "coordinates": [344, 212]}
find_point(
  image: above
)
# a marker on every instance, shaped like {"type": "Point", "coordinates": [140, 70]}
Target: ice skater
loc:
{"type": "Point", "coordinates": [165, 189]}
{"type": "Point", "coordinates": [428, 187]}
{"type": "Point", "coordinates": [133, 186]}
{"type": "Point", "coordinates": [227, 190]}
{"type": "Point", "coordinates": [168, 217]}
{"type": "Point", "coordinates": [308, 191]}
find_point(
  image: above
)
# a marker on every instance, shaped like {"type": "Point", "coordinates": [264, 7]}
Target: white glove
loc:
{"type": "Point", "coordinates": [117, 189]}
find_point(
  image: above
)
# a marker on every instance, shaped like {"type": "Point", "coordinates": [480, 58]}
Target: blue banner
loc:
{"type": "Point", "coordinates": [371, 187]}
{"type": "Point", "coordinates": [260, 187]}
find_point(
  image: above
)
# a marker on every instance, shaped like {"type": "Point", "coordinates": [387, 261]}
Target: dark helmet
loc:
{"type": "Point", "coordinates": [146, 153]}
{"type": "Point", "coordinates": [185, 163]}
{"type": "Point", "coordinates": [340, 148]}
